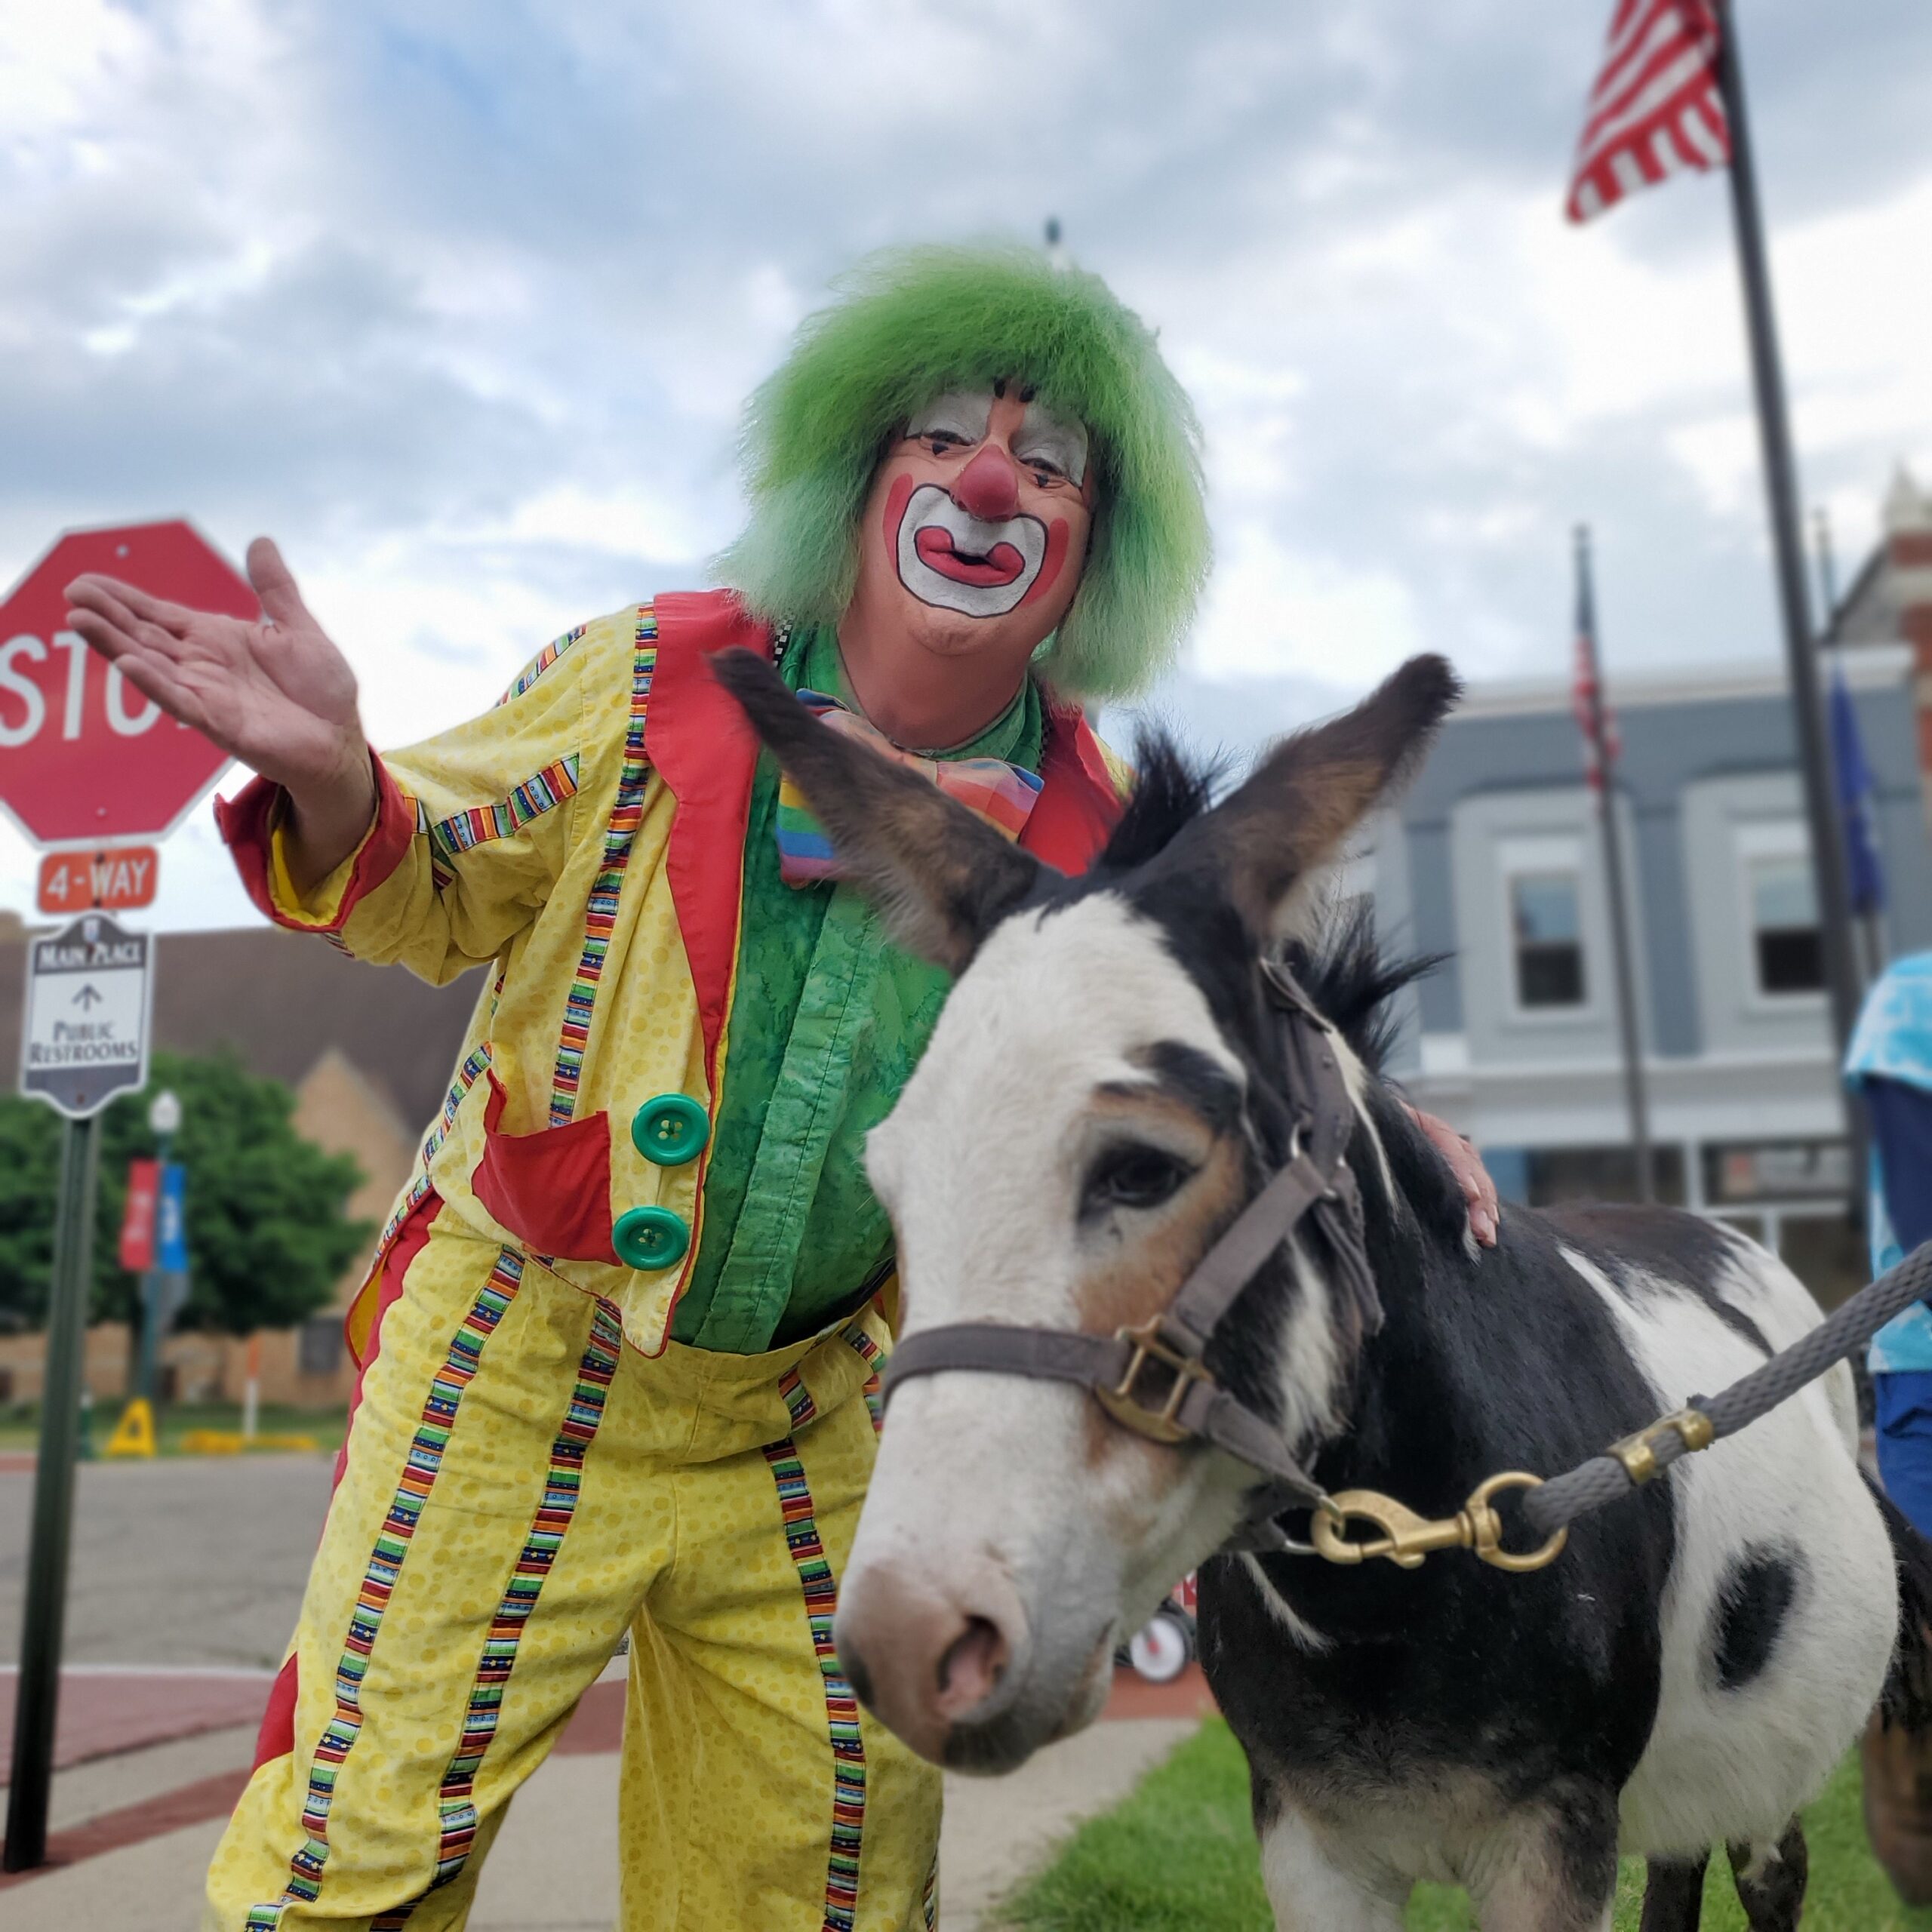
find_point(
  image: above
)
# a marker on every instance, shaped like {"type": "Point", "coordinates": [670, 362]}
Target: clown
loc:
{"type": "Point", "coordinates": [620, 1342]}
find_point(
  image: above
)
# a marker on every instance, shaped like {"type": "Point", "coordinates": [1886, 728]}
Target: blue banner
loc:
{"type": "Point", "coordinates": [170, 1223]}
{"type": "Point", "coordinates": [1864, 876]}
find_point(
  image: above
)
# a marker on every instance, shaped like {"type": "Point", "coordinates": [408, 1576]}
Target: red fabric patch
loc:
{"type": "Point", "coordinates": [276, 1738]}
{"type": "Point", "coordinates": [552, 1189]}
{"type": "Point", "coordinates": [702, 746]}
{"type": "Point", "coordinates": [410, 1240]}
{"type": "Point", "coordinates": [1078, 806]}
{"type": "Point", "coordinates": [246, 822]}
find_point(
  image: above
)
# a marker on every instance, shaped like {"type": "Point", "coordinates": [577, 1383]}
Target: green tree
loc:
{"type": "Point", "coordinates": [268, 1234]}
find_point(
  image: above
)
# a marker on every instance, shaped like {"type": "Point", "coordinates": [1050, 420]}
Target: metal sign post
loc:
{"type": "Point", "coordinates": [88, 997]}
{"type": "Point", "coordinates": [39, 1687]}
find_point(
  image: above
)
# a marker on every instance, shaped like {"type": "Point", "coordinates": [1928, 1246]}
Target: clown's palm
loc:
{"type": "Point", "coordinates": [278, 695]}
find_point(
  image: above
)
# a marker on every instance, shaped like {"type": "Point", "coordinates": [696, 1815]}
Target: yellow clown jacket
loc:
{"type": "Point", "coordinates": [584, 841]}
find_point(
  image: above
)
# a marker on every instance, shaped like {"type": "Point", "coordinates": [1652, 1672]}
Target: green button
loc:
{"type": "Point", "coordinates": [670, 1129]}
{"type": "Point", "coordinates": [647, 1238]}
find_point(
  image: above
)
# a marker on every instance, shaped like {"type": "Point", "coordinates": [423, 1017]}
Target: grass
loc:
{"type": "Point", "coordinates": [1178, 1855]}
{"type": "Point", "coordinates": [20, 1426]}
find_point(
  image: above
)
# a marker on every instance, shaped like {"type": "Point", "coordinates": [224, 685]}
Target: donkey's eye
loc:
{"type": "Point", "coordinates": [1132, 1177]}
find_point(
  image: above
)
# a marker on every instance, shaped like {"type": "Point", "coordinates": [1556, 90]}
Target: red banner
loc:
{"type": "Point", "coordinates": [138, 1223]}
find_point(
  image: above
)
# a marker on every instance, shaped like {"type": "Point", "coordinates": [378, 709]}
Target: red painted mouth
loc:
{"type": "Point", "coordinates": [1001, 565]}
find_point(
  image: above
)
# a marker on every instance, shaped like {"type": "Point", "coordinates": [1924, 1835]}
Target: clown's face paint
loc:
{"type": "Point", "coordinates": [956, 562]}
{"type": "Point", "coordinates": [971, 545]}
{"type": "Point", "coordinates": [960, 536]}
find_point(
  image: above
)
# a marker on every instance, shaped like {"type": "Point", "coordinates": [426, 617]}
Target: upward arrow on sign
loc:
{"type": "Point", "coordinates": [84, 758]}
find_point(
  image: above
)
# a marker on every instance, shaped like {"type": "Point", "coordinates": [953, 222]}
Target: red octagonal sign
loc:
{"type": "Point", "coordinates": [84, 758]}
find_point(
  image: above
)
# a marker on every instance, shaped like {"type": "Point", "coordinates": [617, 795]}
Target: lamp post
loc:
{"type": "Point", "coordinates": [163, 1122]}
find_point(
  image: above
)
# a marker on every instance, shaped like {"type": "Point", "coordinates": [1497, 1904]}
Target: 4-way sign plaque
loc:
{"type": "Point", "coordinates": [89, 994]}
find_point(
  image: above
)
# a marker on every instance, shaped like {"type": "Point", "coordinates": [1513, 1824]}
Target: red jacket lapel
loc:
{"type": "Point", "coordinates": [702, 745]}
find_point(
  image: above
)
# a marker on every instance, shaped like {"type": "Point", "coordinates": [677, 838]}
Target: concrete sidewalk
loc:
{"type": "Point", "coordinates": [135, 1829]}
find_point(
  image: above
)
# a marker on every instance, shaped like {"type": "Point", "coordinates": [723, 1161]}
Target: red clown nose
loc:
{"type": "Point", "coordinates": [988, 487]}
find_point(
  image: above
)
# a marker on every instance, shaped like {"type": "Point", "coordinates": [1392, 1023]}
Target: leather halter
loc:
{"type": "Point", "coordinates": [1154, 1379]}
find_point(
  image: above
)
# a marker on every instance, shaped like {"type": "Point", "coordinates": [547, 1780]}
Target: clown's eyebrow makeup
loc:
{"type": "Point", "coordinates": [965, 413]}
{"type": "Point", "coordinates": [1044, 437]}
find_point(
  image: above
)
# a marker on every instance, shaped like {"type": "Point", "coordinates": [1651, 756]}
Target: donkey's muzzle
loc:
{"type": "Point", "coordinates": [932, 1658]}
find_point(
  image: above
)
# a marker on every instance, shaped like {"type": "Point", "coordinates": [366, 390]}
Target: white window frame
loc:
{"type": "Point", "coordinates": [1537, 856]}
{"type": "Point", "coordinates": [1753, 840]}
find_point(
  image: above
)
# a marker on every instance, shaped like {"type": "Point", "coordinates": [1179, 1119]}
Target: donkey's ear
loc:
{"type": "Point", "coordinates": [941, 877]}
{"type": "Point", "coordinates": [1295, 811]}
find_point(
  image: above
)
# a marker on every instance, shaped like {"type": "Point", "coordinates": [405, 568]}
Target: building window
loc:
{"type": "Point", "coordinates": [1546, 928]}
{"type": "Point", "coordinates": [1786, 947]}
{"type": "Point", "coordinates": [1555, 1175]}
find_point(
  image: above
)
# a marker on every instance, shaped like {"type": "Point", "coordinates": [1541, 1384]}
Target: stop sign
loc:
{"type": "Point", "coordinates": [84, 758]}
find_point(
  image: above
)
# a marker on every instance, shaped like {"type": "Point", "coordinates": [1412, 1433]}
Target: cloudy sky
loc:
{"type": "Point", "coordinates": [459, 300]}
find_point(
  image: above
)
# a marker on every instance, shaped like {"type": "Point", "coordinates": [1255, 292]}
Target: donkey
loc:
{"type": "Point", "coordinates": [1101, 1097]}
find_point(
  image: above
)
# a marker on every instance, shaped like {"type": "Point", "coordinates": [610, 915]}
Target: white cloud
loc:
{"type": "Point", "coordinates": [1270, 611]}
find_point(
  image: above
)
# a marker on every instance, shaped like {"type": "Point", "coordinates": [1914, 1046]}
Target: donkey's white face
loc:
{"type": "Point", "coordinates": [1074, 1140]}
{"type": "Point", "coordinates": [1039, 1171]}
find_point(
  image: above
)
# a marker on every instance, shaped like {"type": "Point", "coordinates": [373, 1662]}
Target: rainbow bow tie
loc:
{"type": "Point", "coordinates": [1001, 794]}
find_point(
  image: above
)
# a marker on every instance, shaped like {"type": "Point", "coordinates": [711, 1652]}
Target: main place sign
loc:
{"type": "Point", "coordinates": [89, 992]}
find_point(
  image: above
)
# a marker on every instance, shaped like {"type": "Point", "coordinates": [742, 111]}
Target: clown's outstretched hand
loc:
{"type": "Point", "coordinates": [276, 694]}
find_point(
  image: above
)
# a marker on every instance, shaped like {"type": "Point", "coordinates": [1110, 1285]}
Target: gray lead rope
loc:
{"type": "Point", "coordinates": [1604, 1478]}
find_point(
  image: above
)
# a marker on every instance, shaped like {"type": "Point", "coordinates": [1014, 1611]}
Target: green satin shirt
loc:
{"type": "Point", "coordinates": [827, 1022]}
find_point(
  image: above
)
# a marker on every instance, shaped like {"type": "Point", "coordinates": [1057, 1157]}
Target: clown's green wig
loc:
{"type": "Point", "coordinates": [915, 323]}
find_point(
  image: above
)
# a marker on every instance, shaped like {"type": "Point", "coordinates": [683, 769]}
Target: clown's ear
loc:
{"type": "Point", "coordinates": [941, 877]}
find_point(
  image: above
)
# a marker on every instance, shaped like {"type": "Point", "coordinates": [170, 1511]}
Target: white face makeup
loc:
{"type": "Point", "coordinates": [964, 414]}
{"type": "Point", "coordinates": [1052, 440]}
{"type": "Point", "coordinates": [986, 560]}
{"type": "Point", "coordinates": [953, 560]}
{"type": "Point", "coordinates": [1055, 441]}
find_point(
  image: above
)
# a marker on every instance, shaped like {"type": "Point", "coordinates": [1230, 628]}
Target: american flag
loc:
{"type": "Point", "coordinates": [1656, 106]}
{"type": "Point", "coordinates": [1586, 697]}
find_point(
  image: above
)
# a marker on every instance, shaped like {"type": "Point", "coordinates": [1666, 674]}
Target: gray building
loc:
{"type": "Point", "coordinates": [1495, 859]}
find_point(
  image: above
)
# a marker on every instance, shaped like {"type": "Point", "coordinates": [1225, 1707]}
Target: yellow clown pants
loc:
{"type": "Point", "coordinates": [519, 1489]}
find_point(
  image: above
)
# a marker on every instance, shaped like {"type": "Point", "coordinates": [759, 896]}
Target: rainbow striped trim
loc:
{"type": "Point", "coordinates": [929, 1899]}
{"type": "Point", "coordinates": [467, 1075]}
{"type": "Point", "coordinates": [1003, 795]}
{"type": "Point", "coordinates": [456, 1799]}
{"type": "Point", "coordinates": [798, 1403]}
{"type": "Point", "coordinates": [418, 1188]}
{"type": "Point", "coordinates": [424, 1461]}
{"type": "Point", "coordinates": [542, 792]}
{"type": "Point", "coordinates": [841, 1708]}
{"type": "Point", "coordinates": [541, 663]}
{"type": "Point", "coordinates": [601, 917]}
{"type": "Point", "coordinates": [869, 1353]}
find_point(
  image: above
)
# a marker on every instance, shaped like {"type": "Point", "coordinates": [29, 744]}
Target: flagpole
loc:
{"type": "Point", "coordinates": [1628, 1023]}
{"type": "Point", "coordinates": [1841, 979]}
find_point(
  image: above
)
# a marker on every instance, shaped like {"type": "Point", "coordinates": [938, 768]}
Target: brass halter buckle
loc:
{"type": "Point", "coordinates": [1406, 1538]}
{"type": "Point", "coordinates": [1159, 1424]}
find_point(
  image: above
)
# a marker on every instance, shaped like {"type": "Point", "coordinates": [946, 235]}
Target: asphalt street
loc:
{"type": "Point", "coordinates": [181, 1560]}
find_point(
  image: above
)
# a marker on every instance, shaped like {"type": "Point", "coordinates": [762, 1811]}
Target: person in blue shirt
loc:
{"type": "Point", "coordinates": [1890, 1063]}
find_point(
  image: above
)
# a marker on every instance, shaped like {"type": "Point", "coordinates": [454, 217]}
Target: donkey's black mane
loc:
{"type": "Point", "coordinates": [1170, 790]}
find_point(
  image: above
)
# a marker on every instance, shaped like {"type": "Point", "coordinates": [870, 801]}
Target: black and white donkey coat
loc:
{"type": "Point", "coordinates": [1100, 1097]}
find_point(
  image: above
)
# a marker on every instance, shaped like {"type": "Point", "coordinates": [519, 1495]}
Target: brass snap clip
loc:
{"type": "Point", "coordinates": [1406, 1538]}
{"type": "Point", "coordinates": [1121, 1402]}
{"type": "Point", "coordinates": [1638, 1453]}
